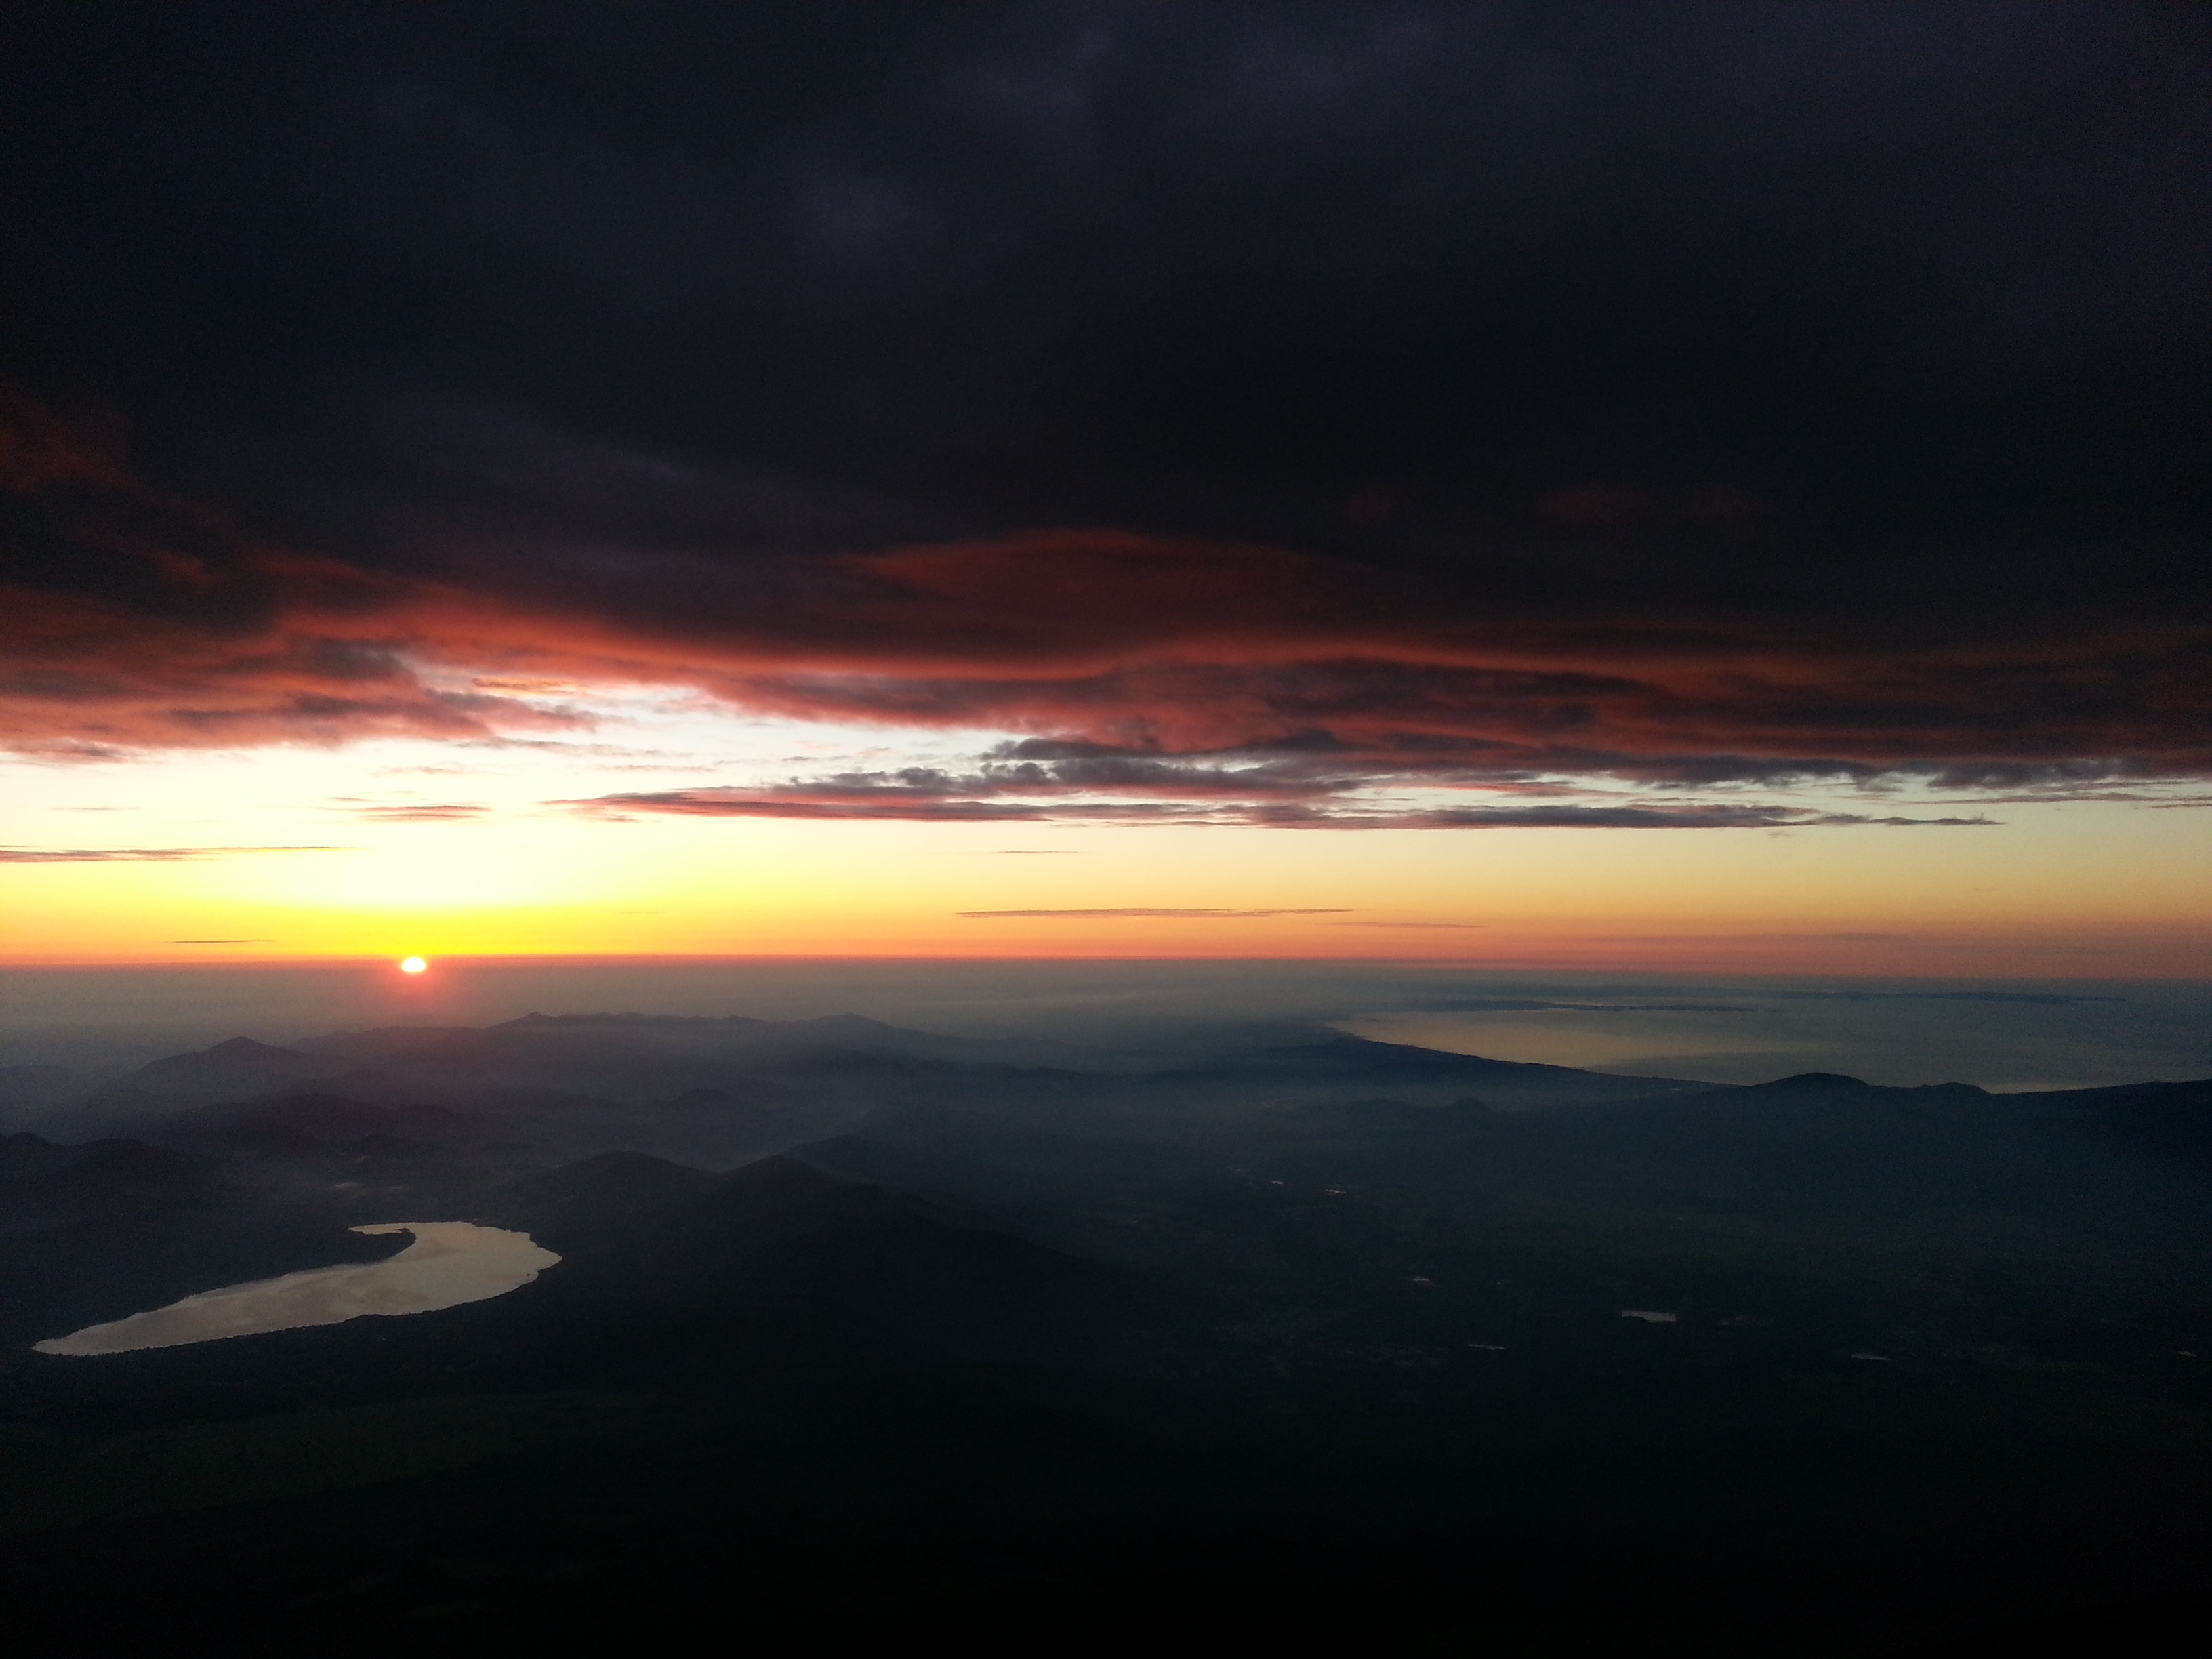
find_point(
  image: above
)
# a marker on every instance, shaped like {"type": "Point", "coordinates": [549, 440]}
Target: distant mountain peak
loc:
{"type": "Point", "coordinates": [619, 1167]}
{"type": "Point", "coordinates": [233, 1052]}
{"type": "Point", "coordinates": [781, 1174]}
{"type": "Point", "coordinates": [244, 1048]}
{"type": "Point", "coordinates": [654, 1020]}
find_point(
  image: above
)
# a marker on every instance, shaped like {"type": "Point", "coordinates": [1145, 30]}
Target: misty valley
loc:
{"type": "Point", "coordinates": [869, 1330]}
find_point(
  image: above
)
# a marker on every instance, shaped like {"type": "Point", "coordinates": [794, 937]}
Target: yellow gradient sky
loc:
{"type": "Point", "coordinates": [2091, 888]}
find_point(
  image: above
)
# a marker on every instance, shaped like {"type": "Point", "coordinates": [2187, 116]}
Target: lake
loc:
{"type": "Point", "coordinates": [449, 1263]}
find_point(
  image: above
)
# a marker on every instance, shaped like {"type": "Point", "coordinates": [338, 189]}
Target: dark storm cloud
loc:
{"type": "Point", "coordinates": [1699, 394]}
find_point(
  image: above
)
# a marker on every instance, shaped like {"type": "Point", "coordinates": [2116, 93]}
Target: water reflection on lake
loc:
{"type": "Point", "coordinates": [450, 1262]}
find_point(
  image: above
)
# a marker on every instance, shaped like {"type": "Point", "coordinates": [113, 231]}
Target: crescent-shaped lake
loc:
{"type": "Point", "coordinates": [449, 1263]}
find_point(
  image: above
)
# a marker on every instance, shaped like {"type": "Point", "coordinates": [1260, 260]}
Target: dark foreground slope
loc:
{"type": "Point", "coordinates": [1226, 1356]}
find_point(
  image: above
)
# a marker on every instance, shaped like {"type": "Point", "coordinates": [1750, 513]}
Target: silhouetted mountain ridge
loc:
{"type": "Point", "coordinates": [308, 1120]}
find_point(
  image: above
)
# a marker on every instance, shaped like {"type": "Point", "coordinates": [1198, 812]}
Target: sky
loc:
{"type": "Point", "coordinates": [1702, 488]}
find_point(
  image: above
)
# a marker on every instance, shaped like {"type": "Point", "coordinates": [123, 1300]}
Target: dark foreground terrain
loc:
{"type": "Point", "coordinates": [863, 1333]}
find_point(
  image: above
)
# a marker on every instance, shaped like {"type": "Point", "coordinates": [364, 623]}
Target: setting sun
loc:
{"type": "Point", "coordinates": [413, 965]}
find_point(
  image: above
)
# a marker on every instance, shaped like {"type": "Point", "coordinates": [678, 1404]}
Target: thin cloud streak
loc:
{"type": "Point", "coordinates": [1453, 926]}
{"type": "Point", "coordinates": [139, 854]}
{"type": "Point", "coordinates": [443, 814]}
{"type": "Point", "coordinates": [1741, 939]}
{"type": "Point", "coordinates": [848, 799]}
{"type": "Point", "coordinates": [1115, 915]}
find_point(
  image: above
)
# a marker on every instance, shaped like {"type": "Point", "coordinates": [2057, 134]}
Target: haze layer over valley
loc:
{"type": "Point", "coordinates": [1333, 1266]}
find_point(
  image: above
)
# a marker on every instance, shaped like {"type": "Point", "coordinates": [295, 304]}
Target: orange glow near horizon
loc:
{"type": "Point", "coordinates": [1880, 902]}
{"type": "Point", "coordinates": [2056, 889]}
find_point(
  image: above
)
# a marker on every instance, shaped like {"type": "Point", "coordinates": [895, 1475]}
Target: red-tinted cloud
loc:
{"type": "Point", "coordinates": [1784, 393]}
{"type": "Point", "coordinates": [132, 618]}
{"type": "Point", "coordinates": [1216, 672]}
